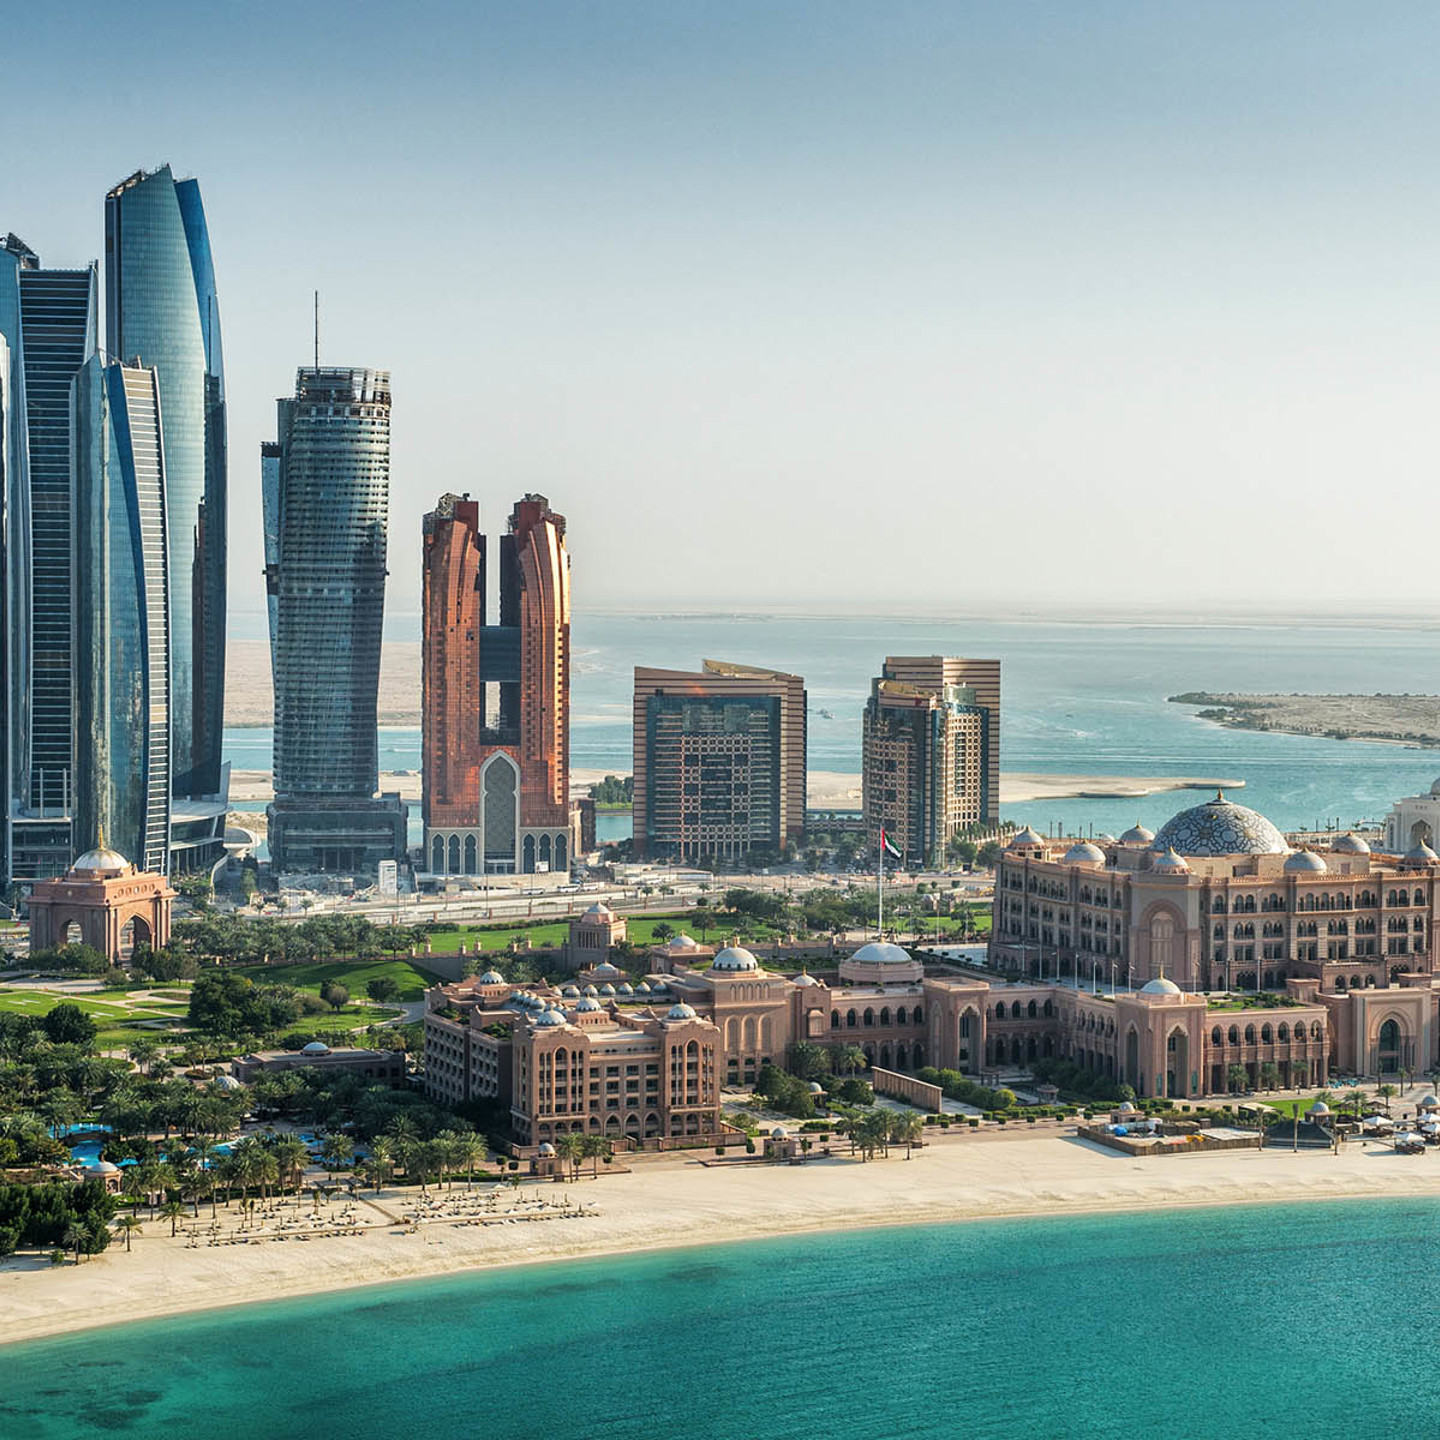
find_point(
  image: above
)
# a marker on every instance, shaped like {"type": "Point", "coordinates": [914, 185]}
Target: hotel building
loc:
{"type": "Point", "coordinates": [495, 706]}
{"type": "Point", "coordinates": [719, 760]}
{"type": "Point", "coordinates": [930, 753]}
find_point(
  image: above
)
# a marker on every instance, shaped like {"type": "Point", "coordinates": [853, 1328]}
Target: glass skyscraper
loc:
{"type": "Point", "coordinates": [326, 495]}
{"type": "Point", "coordinates": [122, 615]}
{"type": "Point", "coordinates": [161, 311]}
{"type": "Point", "coordinates": [48, 322]}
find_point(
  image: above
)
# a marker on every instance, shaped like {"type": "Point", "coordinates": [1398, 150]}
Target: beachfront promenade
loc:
{"type": "Point", "coordinates": [678, 1201]}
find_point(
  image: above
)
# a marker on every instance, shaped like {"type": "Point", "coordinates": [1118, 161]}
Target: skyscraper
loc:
{"type": "Point", "coordinates": [48, 322]}
{"type": "Point", "coordinates": [161, 309]}
{"type": "Point", "coordinates": [327, 484]}
{"type": "Point", "coordinates": [719, 761]}
{"type": "Point", "coordinates": [122, 615]}
{"type": "Point", "coordinates": [930, 752]}
{"type": "Point", "coordinates": [496, 701]}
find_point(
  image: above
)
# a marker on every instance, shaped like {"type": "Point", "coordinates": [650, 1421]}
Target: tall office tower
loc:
{"type": "Point", "coordinates": [48, 322]}
{"type": "Point", "coordinates": [719, 761]}
{"type": "Point", "coordinates": [327, 483]}
{"type": "Point", "coordinates": [161, 310]}
{"type": "Point", "coordinates": [122, 615]}
{"type": "Point", "coordinates": [496, 701]}
{"type": "Point", "coordinates": [930, 756]}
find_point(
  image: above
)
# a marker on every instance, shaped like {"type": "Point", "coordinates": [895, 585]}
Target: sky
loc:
{"type": "Point", "coordinates": [944, 307]}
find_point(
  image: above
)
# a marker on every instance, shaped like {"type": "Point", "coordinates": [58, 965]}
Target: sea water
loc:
{"type": "Point", "coordinates": [1078, 699]}
{"type": "Point", "coordinates": [1313, 1319]}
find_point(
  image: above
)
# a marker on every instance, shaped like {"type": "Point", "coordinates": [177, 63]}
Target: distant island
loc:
{"type": "Point", "coordinates": [1398, 719]}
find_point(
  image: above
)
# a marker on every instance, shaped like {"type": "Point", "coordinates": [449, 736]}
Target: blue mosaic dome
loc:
{"type": "Point", "coordinates": [1221, 827]}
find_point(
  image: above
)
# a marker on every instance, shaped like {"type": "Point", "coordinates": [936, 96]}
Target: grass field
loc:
{"type": "Point", "coordinates": [353, 974]}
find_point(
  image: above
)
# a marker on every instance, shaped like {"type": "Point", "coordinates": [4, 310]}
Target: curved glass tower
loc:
{"type": "Point", "coordinates": [161, 312]}
{"type": "Point", "coordinates": [122, 615]}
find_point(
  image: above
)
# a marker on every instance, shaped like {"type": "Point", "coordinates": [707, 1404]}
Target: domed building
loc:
{"type": "Point", "coordinates": [1413, 821]}
{"type": "Point", "coordinates": [102, 901]}
{"type": "Point", "coordinates": [880, 963]}
{"type": "Point", "coordinates": [592, 936]}
{"type": "Point", "coordinates": [1220, 827]}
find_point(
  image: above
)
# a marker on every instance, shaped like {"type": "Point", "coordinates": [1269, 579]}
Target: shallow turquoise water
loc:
{"type": "Point", "coordinates": [1307, 1320]}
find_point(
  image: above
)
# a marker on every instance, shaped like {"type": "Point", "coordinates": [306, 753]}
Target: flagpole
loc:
{"type": "Point", "coordinates": [880, 890]}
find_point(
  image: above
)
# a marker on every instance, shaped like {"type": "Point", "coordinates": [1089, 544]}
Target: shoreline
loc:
{"type": "Point", "coordinates": [953, 1180]}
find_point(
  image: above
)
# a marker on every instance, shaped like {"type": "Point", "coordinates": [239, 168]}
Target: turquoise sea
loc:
{"type": "Point", "coordinates": [1315, 1319]}
{"type": "Point", "coordinates": [1086, 698]}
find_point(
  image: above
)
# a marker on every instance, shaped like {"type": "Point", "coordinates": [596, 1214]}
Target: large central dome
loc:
{"type": "Point", "coordinates": [1221, 827]}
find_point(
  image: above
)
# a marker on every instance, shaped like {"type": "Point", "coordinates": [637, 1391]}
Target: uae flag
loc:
{"type": "Point", "coordinates": [888, 845]}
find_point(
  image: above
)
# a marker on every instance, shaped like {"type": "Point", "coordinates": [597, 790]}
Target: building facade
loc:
{"type": "Point", "coordinates": [496, 697]}
{"type": "Point", "coordinates": [48, 321]}
{"type": "Point", "coordinates": [930, 752]}
{"type": "Point", "coordinates": [720, 761]}
{"type": "Point", "coordinates": [161, 310]}
{"type": "Point", "coordinates": [122, 665]}
{"type": "Point", "coordinates": [327, 482]}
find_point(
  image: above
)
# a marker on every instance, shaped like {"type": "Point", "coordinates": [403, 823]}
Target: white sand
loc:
{"type": "Point", "coordinates": [665, 1203]}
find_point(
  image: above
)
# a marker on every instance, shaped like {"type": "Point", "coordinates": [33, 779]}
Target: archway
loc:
{"type": "Point", "coordinates": [1388, 1054]}
{"type": "Point", "coordinates": [73, 934]}
{"type": "Point", "coordinates": [1177, 1063]}
{"type": "Point", "coordinates": [133, 933]}
{"type": "Point", "coordinates": [1420, 834]}
{"type": "Point", "coordinates": [500, 785]}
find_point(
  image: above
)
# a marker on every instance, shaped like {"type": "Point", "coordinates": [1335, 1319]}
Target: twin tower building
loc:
{"type": "Point", "coordinates": [112, 568]}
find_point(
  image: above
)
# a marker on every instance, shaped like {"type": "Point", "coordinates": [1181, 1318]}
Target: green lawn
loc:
{"type": "Point", "coordinates": [354, 975]}
{"type": "Point", "coordinates": [491, 938]}
{"type": "Point", "coordinates": [100, 1006]}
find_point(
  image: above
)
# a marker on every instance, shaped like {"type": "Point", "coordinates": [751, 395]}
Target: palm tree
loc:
{"type": "Point", "coordinates": [469, 1151]}
{"type": "Point", "coordinates": [337, 1150]}
{"type": "Point", "coordinates": [130, 1224]}
{"type": "Point", "coordinates": [292, 1155]}
{"type": "Point", "coordinates": [382, 1157]}
{"type": "Point", "coordinates": [571, 1147]}
{"type": "Point", "coordinates": [1237, 1077]}
{"type": "Point", "coordinates": [447, 1154]}
{"type": "Point", "coordinates": [594, 1147]}
{"type": "Point", "coordinates": [75, 1236]}
{"type": "Point", "coordinates": [173, 1210]}
{"type": "Point", "coordinates": [907, 1129]}
{"type": "Point", "coordinates": [1387, 1093]}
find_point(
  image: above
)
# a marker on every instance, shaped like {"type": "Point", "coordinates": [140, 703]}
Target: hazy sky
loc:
{"type": "Point", "coordinates": [924, 305]}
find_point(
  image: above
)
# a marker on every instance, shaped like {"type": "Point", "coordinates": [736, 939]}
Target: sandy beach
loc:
{"type": "Point", "coordinates": [667, 1203]}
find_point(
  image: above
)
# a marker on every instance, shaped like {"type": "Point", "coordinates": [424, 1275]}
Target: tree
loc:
{"type": "Point", "coordinates": [595, 1146]}
{"type": "Point", "coordinates": [571, 1147]}
{"type": "Point", "coordinates": [130, 1224]}
{"type": "Point", "coordinates": [335, 995]}
{"type": "Point", "coordinates": [907, 1129]}
{"type": "Point", "coordinates": [292, 1155]}
{"type": "Point", "coordinates": [68, 1024]}
{"type": "Point", "coordinates": [1269, 1074]}
{"type": "Point", "coordinates": [173, 1210]}
{"type": "Point", "coordinates": [75, 1237]}
{"type": "Point", "coordinates": [1237, 1077]}
{"type": "Point", "coordinates": [382, 988]}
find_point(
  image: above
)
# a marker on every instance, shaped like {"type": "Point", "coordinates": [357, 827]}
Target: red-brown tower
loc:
{"type": "Point", "coordinates": [496, 698]}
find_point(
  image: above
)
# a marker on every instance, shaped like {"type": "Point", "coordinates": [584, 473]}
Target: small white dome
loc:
{"type": "Point", "coordinates": [1305, 862]}
{"type": "Point", "coordinates": [1127, 1107]}
{"type": "Point", "coordinates": [1023, 838]}
{"type": "Point", "coordinates": [681, 942]}
{"type": "Point", "coordinates": [1318, 1108]}
{"type": "Point", "coordinates": [1169, 863]}
{"type": "Point", "coordinates": [315, 1047]}
{"type": "Point", "coordinates": [1422, 854]}
{"type": "Point", "coordinates": [225, 1082]}
{"type": "Point", "coordinates": [571, 992]}
{"type": "Point", "coordinates": [1429, 1103]}
{"type": "Point", "coordinates": [626, 988]}
{"type": "Point", "coordinates": [1084, 854]}
{"type": "Point", "coordinates": [492, 977]}
{"type": "Point", "coordinates": [681, 1011]}
{"type": "Point", "coordinates": [805, 978]}
{"type": "Point", "coordinates": [591, 990]}
{"type": "Point", "coordinates": [552, 1017]}
{"type": "Point", "coordinates": [1137, 835]}
{"type": "Point", "coordinates": [1435, 788]}
{"type": "Point", "coordinates": [642, 988]}
{"type": "Point", "coordinates": [599, 911]}
{"type": "Point", "coordinates": [546, 1150]}
{"type": "Point", "coordinates": [607, 989]}
{"type": "Point", "coordinates": [816, 1088]}
{"type": "Point", "coordinates": [880, 952]}
{"type": "Point", "coordinates": [102, 1167]}
{"type": "Point", "coordinates": [779, 1133]}
{"type": "Point", "coordinates": [605, 968]}
{"type": "Point", "coordinates": [734, 958]}
{"type": "Point", "coordinates": [1106, 839]}
{"type": "Point", "coordinates": [1160, 986]}
{"type": "Point", "coordinates": [1350, 845]}
{"type": "Point", "coordinates": [589, 1005]}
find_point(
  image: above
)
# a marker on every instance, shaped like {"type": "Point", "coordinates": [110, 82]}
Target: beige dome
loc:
{"type": "Point", "coordinates": [101, 861]}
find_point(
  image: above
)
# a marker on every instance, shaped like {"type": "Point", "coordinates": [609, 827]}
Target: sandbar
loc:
{"type": "Point", "coordinates": [671, 1202]}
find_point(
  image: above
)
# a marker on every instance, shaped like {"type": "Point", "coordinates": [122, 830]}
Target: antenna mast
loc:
{"type": "Point", "coordinates": [317, 329]}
